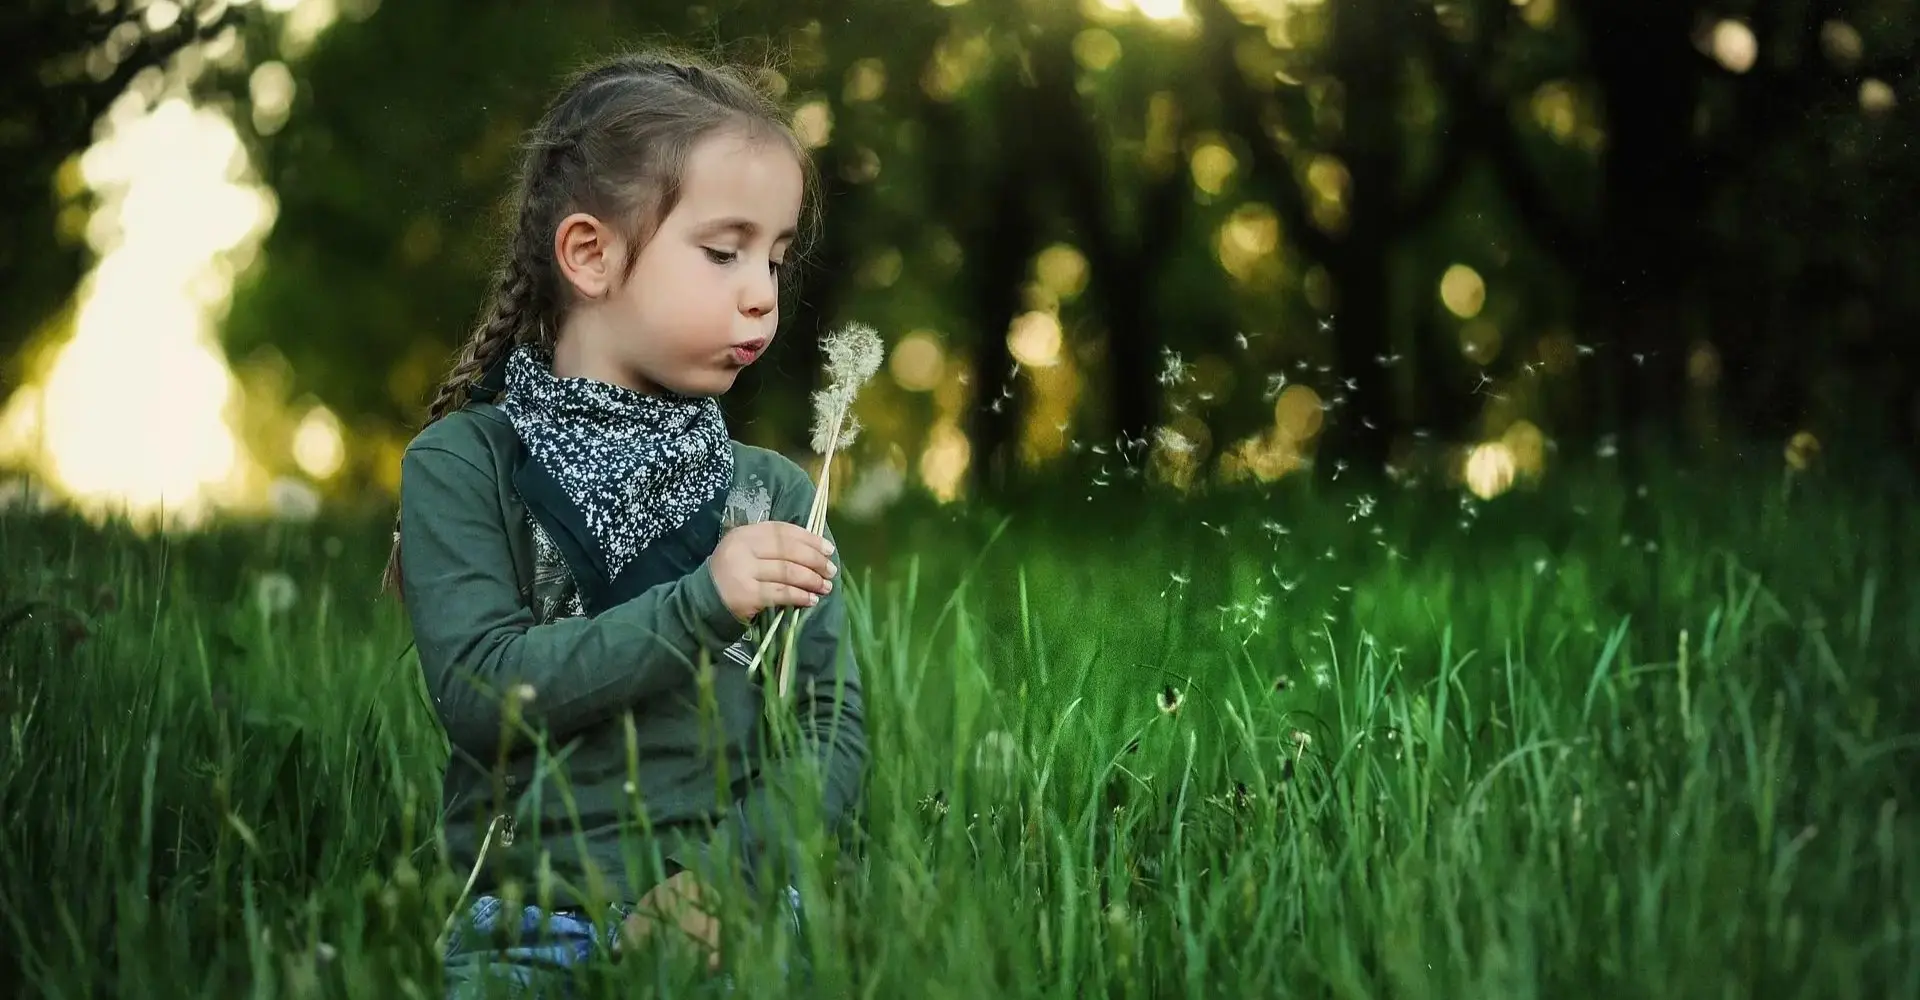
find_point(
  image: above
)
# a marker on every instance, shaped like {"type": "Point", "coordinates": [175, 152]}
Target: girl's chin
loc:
{"type": "Point", "coordinates": [703, 384]}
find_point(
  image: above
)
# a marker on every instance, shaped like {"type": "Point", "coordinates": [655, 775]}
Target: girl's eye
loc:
{"type": "Point", "coordinates": [721, 256]}
{"type": "Point", "coordinates": [776, 265]}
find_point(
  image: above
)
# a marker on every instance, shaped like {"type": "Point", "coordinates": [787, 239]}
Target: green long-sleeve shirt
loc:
{"type": "Point", "coordinates": [472, 587]}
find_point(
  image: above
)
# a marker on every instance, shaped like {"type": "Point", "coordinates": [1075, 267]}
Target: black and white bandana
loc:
{"type": "Point", "coordinates": [637, 466]}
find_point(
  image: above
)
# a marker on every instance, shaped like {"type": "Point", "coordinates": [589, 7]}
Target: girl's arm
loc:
{"type": "Point", "coordinates": [831, 757]}
{"type": "Point", "coordinates": [478, 640]}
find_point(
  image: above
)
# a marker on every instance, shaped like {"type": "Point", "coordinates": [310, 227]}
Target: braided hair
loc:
{"type": "Point", "coordinates": [614, 144]}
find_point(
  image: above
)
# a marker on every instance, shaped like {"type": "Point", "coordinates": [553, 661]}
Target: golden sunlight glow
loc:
{"type": "Point", "coordinates": [1876, 96]}
{"type": "Point", "coordinates": [318, 445]}
{"type": "Point", "coordinates": [1734, 46]}
{"type": "Point", "coordinates": [1062, 268]}
{"type": "Point", "coordinates": [270, 89]}
{"type": "Point", "coordinates": [866, 81]}
{"type": "Point", "coordinates": [1538, 13]}
{"type": "Point", "coordinates": [1329, 182]}
{"type": "Point", "coordinates": [1802, 449]}
{"type": "Point", "coordinates": [1528, 446]}
{"type": "Point", "coordinates": [1480, 341]}
{"type": "Point", "coordinates": [1155, 10]}
{"type": "Point", "coordinates": [132, 413]}
{"type": "Point", "coordinates": [1212, 165]}
{"type": "Point", "coordinates": [1035, 339]}
{"type": "Point", "coordinates": [957, 59]}
{"type": "Point", "coordinates": [1842, 43]}
{"type": "Point", "coordinates": [813, 123]}
{"type": "Point", "coordinates": [1463, 291]}
{"type": "Point", "coordinates": [1054, 395]}
{"type": "Point", "coordinates": [132, 408]}
{"type": "Point", "coordinates": [918, 362]}
{"type": "Point", "coordinates": [943, 466]}
{"type": "Point", "coordinates": [1490, 469]}
{"type": "Point", "coordinates": [1247, 240]}
{"type": "Point", "coordinates": [1555, 109]}
{"type": "Point", "coordinates": [1096, 49]}
{"type": "Point", "coordinates": [1298, 412]}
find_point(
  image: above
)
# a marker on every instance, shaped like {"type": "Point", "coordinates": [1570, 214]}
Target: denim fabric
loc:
{"type": "Point", "coordinates": [535, 967]}
{"type": "Point", "coordinates": [538, 967]}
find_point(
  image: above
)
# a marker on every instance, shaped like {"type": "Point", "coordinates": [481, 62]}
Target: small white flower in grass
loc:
{"type": "Point", "coordinates": [274, 593]}
{"type": "Point", "coordinates": [1170, 699]}
{"type": "Point", "coordinates": [523, 693]}
{"type": "Point", "coordinates": [1322, 677]}
{"type": "Point", "coordinates": [293, 500]}
{"type": "Point", "coordinates": [997, 751]}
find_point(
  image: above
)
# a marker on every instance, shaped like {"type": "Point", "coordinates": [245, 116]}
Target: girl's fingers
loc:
{"type": "Point", "coordinates": [800, 576]}
{"type": "Point", "coordinates": [787, 595]}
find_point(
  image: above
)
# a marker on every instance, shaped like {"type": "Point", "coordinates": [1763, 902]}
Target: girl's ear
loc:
{"type": "Point", "coordinates": [589, 255]}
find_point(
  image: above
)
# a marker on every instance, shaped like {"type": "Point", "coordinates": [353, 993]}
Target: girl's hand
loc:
{"type": "Point", "coordinates": [679, 903]}
{"type": "Point", "coordinates": [768, 564]}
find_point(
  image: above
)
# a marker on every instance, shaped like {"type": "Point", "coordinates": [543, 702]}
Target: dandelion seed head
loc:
{"type": "Point", "coordinates": [853, 354]}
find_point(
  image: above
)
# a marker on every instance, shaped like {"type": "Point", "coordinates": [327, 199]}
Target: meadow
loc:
{"type": "Point", "coordinates": [1590, 739]}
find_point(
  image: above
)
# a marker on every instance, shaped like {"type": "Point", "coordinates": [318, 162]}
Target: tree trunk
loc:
{"type": "Point", "coordinates": [1653, 187]}
{"type": "Point", "coordinates": [1364, 58]}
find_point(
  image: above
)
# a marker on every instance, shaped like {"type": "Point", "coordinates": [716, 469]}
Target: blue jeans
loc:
{"type": "Point", "coordinates": [539, 966]}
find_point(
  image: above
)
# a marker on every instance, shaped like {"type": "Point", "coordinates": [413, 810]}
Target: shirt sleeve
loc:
{"type": "Point", "coordinates": [478, 640]}
{"type": "Point", "coordinates": [829, 761]}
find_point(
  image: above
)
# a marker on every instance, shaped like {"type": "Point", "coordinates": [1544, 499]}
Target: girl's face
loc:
{"type": "Point", "coordinates": [702, 301]}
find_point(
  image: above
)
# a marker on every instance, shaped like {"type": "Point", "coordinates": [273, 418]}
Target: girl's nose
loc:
{"type": "Point", "coordinates": [760, 296]}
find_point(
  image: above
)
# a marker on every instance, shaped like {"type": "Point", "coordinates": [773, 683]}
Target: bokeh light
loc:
{"type": "Point", "coordinates": [1035, 339]}
{"type": "Point", "coordinates": [918, 362]}
{"type": "Point", "coordinates": [319, 447]}
{"type": "Point", "coordinates": [1734, 46]}
{"type": "Point", "coordinates": [1463, 291]}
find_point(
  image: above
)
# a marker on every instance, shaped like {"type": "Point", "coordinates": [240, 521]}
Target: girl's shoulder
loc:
{"type": "Point", "coordinates": [477, 432]}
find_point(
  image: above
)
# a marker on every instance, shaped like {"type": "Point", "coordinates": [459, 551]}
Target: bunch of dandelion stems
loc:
{"type": "Point", "coordinates": [816, 523]}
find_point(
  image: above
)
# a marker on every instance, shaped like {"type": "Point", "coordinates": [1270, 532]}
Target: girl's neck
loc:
{"type": "Point", "coordinates": [574, 358]}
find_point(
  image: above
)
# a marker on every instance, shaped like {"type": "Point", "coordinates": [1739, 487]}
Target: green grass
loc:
{"type": "Point", "coordinates": [1544, 746]}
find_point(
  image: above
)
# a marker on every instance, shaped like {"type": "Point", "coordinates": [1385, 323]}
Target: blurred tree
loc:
{"type": "Point", "coordinates": [1341, 129]}
{"type": "Point", "coordinates": [1127, 214]}
{"type": "Point", "coordinates": [62, 63]}
{"type": "Point", "coordinates": [1688, 97]}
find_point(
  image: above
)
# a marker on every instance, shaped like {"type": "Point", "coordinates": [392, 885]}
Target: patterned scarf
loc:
{"type": "Point", "coordinates": [636, 466]}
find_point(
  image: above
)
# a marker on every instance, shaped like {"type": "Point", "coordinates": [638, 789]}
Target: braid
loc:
{"type": "Point", "coordinates": [514, 308]}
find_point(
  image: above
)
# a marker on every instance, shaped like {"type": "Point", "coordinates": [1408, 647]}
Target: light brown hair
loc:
{"type": "Point", "coordinates": [614, 143]}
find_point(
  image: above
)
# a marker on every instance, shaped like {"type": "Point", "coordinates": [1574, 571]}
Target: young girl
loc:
{"type": "Point", "coordinates": [580, 545]}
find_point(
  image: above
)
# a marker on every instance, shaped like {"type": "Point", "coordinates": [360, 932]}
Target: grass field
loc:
{"type": "Point", "coordinates": [1303, 745]}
